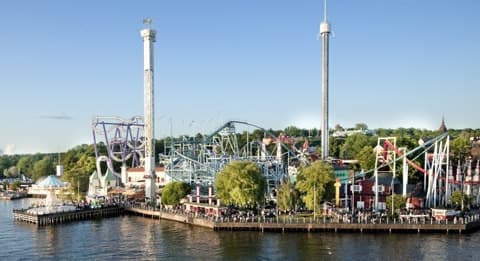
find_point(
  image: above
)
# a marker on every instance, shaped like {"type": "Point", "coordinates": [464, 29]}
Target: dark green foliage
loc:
{"type": "Point", "coordinates": [288, 196]}
{"type": "Point", "coordinates": [43, 167]}
{"type": "Point", "coordinates": [399, 202]}
{"type": "Point", "coordinates": [79, 162]}
{"type": "Point", "coordinates": [25, 165]}
{"type": "Point", "coordinates": [313, 182]}
{"type": "Point", "coordinates": [173, 192]}
{"type": "Point", "coordinates": [80, 166]}
{"type": "Point", "coordinates": [353, 145]}
{"type": "Point", "coordinates": [240, 183]}
{"type": "Point", "coordinates": [460, 199]}
{"type": "Point", "coordinates": [460, 146]}
{"type": "Point", "coordinates": [11, 172]}
{"type": "Point", "coordinates": [366, 158]}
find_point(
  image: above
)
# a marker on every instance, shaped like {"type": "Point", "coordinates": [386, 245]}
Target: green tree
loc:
{"type": "Point", "coordinates": [293, 131]}
{"type": "Point", "coordinates": [399, 202]}
{"type": "Point", "coordinates": [173, 192]}
{"type": "Point", "coordinates": [288, 196]}
{"type": "Point", "coordinates": [366, 158]}
{"type": "Point", "coordinates": [460, 147]}
{"type": "Point", "coordinates": [25, 165]}
{"type": "Point", "coordinates": [7, 161]}
{"type": "Point", "coordinates": [338, 127]}
{"type": "Point", "coordinates": [353, 145]}
{"type": "Point", "coordinates": [11, 172]}
{"type": "Point", "coordinates": [240, 183]}
{"type": "Point", "coordinates": [43, 167]}
{"type": "Point", "coordinates": [361, 126]}
{"type": "Point", "coordinates": [78, 174]}
{"type": "Point", "coordinates": [335, 146]}
{"type": "Point", "coordinates": [460, 199]}
{"type": "Point", "coordinates": [313, 182]}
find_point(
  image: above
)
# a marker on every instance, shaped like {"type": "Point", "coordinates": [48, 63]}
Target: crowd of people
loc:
{"type": "Point", "coordinates": [415, 216]}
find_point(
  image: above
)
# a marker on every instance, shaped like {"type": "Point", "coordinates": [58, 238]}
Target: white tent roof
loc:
{"type": "Point", "coordinates": [51, 181]}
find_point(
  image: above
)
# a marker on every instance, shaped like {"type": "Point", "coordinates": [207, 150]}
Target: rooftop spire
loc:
{"type": "Point", "coordinates": [443, 127]}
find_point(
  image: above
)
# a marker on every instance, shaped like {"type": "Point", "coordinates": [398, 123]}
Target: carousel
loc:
{"type": "Point", "coordinates": [51, 185]}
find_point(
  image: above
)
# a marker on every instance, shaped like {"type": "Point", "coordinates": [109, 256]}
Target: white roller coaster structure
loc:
{"type": "Point", "coordinates": [196, 161]}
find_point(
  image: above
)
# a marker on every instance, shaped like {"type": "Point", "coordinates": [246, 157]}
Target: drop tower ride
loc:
{"type": "Point", "coordinates": [148, 36]}
{"type": "Point", "coordinates": [325, 35]}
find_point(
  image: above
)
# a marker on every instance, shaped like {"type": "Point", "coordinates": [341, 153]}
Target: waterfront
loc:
{"type": "Point", "coordinates": [132, 237]}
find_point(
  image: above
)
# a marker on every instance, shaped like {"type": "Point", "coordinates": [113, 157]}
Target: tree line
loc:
{"type": "Point", "coordinates": [79, 162]}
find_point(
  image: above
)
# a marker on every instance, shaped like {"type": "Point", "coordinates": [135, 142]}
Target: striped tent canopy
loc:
{"type": "Point", "coordinates": [51, 181]}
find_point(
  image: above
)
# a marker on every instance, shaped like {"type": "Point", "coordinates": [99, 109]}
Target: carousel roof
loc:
{"type": "Point", "coordinates": [51, 181]}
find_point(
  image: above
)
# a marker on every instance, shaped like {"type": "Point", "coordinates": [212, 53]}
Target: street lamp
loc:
{"type": "Point", "coordinates": [314, 200]}
{"type": "Point", "coordinates": [393, 193]}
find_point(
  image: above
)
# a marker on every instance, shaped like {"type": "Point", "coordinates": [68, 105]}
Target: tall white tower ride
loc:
{"type": "Point", "coordinates": [148, 36]}
{"type": "Point", "coordinates": [325, 34]}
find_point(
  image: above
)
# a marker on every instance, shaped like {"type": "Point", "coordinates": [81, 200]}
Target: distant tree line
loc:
{"type": "Point", "coordinates": [79, 162]}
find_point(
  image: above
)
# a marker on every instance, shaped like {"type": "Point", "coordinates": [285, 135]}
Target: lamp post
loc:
{"type": "Point", "coordinates": [353, 198]}
{"type": "Point", "coordinates": [314, 201]}
{"type": "Point", "coordinates": [393, 193]}
{"type": "Point", "coordinates": [198, 191]}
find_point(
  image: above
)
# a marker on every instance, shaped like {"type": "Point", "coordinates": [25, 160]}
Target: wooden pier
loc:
{"type": "Point", "coordinates": [201, 222]}
{"type": "Point", "coordinates": [273, 225]}
{"type": "Point", "coordinates": [69, 216]}
{"type": "Point", "coordinates": [354, 227]}
{"type": "Point", "coordinates": [303, 225]}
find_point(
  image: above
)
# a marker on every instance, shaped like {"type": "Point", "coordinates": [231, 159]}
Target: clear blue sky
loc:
{"type": "Point", "coordinates": [395, 63]}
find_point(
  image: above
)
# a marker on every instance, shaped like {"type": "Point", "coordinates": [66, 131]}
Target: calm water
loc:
{"type": "Point", "coordinates": [137, 238]}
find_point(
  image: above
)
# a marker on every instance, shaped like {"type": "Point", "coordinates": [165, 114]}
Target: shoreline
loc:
{"type": "Point", "coordinates": [284, 224]}
{"type": "Point", "coordinates": [307, 225]}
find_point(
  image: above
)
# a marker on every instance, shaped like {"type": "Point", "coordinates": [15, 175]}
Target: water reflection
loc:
{"type": "Point", "coordinates": [138, 238]}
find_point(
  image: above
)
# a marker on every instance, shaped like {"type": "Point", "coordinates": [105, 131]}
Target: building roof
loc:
{"type": "Point", "coordinates": [51, 181]}
{"type": "Point", "coordinates": [385, 178]}
{"type": "Point", "coordinates": [142, 169]}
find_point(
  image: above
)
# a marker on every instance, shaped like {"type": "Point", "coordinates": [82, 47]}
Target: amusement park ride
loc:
{"type": "Point", "coordinates": [439, 180]}
{"type": "Point", "coordinates": [129, 144]}
{"type": "Point", "coordinates": [198, 160]}
{"type": "Point", "coordinates": [195, 161]}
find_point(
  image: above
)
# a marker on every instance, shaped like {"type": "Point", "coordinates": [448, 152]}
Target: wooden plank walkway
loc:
{"type": "Point", "coordinates": [171, 216]}
{"type": "Point", "coordinates": [341, 227]}
{"type": "Point", "coordinates": [287, 225]}
{"type": "Point", "coordinates": [312, 227]}
{"type": "Point", "coordinates": [68, 216]}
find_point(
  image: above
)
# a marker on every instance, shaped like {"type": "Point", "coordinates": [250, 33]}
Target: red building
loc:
{"type": "Point", "coordinates": [363, 193]}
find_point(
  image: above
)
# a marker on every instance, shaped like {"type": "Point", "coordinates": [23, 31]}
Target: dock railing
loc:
{"type": "Point", "coordinates": [461, 224]}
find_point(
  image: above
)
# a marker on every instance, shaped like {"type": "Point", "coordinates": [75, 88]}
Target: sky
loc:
{"type": "Point", "coordinates": [395, 63]}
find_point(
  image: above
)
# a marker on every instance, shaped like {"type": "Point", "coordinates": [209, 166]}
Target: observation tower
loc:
{"type": "Point", "coordinates": [148, 36]}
